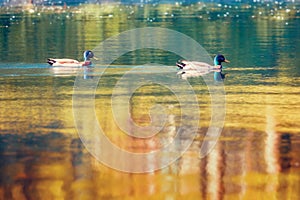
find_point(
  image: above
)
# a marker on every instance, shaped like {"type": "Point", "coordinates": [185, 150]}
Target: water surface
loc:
{"type": "Point", "coordinates": [42, 156]}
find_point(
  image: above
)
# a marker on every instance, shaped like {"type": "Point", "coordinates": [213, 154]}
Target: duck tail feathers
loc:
{"type": "Point", "coordinates": [180, 64]}
{"type": "Point", "coordinates": [51, 61]}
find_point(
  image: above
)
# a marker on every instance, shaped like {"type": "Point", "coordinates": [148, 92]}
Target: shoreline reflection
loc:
{"type": "Point", "coordinates": [62, 168]}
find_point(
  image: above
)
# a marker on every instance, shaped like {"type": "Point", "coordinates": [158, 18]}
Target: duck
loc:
{"type": "Point", "coordinates": [66, 62]}
{"type": "Point", "coordinates": [195, 69]}
{"type": "Point", "coordinates": [185, 65]}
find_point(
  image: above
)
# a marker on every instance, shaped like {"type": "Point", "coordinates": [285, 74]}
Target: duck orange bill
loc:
{"type": "Point", "coordinates": [227, 61]}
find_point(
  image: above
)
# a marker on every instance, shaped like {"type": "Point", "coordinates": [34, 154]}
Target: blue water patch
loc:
{"type": "Point", "coordinates": [234, 75]}
{"type": "Point", "coordinates": [42, 69]}
{"type": "Point", "coordinates": [23, 66]}
{"type": "Point", "coordinates": [24, 69]}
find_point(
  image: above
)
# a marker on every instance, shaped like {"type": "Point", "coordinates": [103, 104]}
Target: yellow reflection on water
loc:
{"type": "Point", "coordinates": [246, 107]}
{"type": "Point", "coordinates": [256, 156]}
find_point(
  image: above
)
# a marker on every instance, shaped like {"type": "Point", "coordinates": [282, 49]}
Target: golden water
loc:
{"type": "Point", "coordinates": [256, 156]}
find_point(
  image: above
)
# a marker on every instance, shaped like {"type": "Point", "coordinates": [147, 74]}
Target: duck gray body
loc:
{"type": "Point", "coordinates": [195, 68]}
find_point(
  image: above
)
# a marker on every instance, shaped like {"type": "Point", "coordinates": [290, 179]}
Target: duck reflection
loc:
{"type": "Point", "coordinates": [85, 71]}
{"type": "Point", "coordinates": [219, 76]}
{"type": "Point", "coordinates": [190, 69]}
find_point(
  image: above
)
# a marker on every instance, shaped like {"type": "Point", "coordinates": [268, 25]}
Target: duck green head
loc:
{"type": "Point", "coordinates": [87, 55]}
{"type": "Point", "coordinates": [219, 59]}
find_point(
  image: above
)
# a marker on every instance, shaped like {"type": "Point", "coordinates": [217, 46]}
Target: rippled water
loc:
{"type": "Point", "coordinates": [42, 156]}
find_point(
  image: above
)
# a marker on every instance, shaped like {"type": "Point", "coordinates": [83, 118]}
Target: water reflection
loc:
{"type": "Point", "coordinates": [63, 169]}
{"type": "Point", "coordinates": [273, 42]}
{"type": "Point", "coordinates": [86, 72]}
{"type": "Point", "coordinates": [42, 157]}
{"type": "Point", "coordinates": [219, 76]}
{"type": "Point", "coordinates": [257, 155]}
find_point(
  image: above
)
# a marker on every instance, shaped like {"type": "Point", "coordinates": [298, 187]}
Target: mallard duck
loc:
{"type": "Point", "coordinates": [185, 65]}
{"type": "Point", "coordinates": [194, 69]}
{"type": "Point", "coordinates": [66, 62]}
